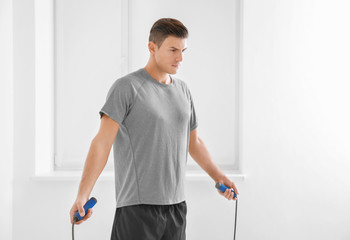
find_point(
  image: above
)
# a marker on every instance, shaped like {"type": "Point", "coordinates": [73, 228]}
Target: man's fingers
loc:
{"type": "Point", "coordinates": [233, 186]}
{"type": "Point", "coordinates": [231, 195]}
{"type": "Point", "coordinates": [228, 193]}
{"type": "Point", "coordinates": [88, 214]}
{"type": "Point", "coordinates": [72, 212]}
{"type": "Point", "coordinates": [235, 189]}
{"type": "Point", "coordinates": [81, 211]}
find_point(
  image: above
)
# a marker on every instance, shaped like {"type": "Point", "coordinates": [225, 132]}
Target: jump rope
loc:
{"type": "Point", "coordinates": [92, 201]}
{"type": "Point", "coordinates": [89, 204]}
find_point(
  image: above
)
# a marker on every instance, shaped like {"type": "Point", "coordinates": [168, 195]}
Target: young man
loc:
{"type": "Point", "coordinates": [150, 119]}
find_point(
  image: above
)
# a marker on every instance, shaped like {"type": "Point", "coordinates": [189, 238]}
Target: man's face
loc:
{"type": "Point", "coordinates": [170, 54]}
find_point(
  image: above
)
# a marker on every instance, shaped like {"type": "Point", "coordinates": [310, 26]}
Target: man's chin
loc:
{"type": "Point", "coordinates": [173, 71]}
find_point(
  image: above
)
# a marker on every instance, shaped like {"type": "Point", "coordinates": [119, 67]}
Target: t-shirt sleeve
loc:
{"type": "Point", "coordinates": [193, 118]}
{"type": "Point", "coordinates": [118, 101]}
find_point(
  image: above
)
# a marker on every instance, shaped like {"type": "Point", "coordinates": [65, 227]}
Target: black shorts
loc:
{"type": "Point", "coordinates": [150, 222]}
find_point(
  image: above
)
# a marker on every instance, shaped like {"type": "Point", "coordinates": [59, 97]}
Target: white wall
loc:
{"type": "Point", "coordinates": [296, 120]}
{"type": "Point", "coordinates": [294, 133]}
{"type": "Point", "coordinates": [6, 119]}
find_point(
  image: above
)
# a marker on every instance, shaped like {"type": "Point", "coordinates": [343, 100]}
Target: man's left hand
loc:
{"type": "Point", "coordinates": [228, 193]}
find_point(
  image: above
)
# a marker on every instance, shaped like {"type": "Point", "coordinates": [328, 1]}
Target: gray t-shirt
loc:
{"type": "Point", "coordinates": [151, 147]}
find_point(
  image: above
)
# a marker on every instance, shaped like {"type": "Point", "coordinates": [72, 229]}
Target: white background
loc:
{"type": "Point", "coordinates": [294, 134]}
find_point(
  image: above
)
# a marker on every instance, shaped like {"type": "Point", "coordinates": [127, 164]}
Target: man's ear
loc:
{"type": "Point", "coordinates": [152, 47]}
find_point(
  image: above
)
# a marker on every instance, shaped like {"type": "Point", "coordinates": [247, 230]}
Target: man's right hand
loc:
{"type": "Point", "coordinates": [79, 206]}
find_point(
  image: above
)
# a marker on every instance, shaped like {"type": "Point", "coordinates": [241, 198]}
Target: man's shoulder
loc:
{"type": "Point", "coordinates": [182, 84]}
{"type": "Point", "coordinates": [128, 81]}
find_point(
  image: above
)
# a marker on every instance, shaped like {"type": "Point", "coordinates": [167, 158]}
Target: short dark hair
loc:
{"type": "Point", "coordinates": [165, 27]}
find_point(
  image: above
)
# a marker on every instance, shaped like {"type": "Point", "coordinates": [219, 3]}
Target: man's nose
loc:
{"type": "Point", "coordinates": [179, 57]}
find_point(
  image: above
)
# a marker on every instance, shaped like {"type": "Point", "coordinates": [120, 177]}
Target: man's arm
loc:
{"type": "Point", "coordinates": [201, 155]}
{"type": "Point", "coordinates": [94, 164]}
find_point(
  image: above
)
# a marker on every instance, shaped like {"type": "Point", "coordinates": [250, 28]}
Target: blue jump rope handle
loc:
{"type": "Point", "coordinates": [223, 188]}
{"type": "Point", "coordinates": [89, 204]}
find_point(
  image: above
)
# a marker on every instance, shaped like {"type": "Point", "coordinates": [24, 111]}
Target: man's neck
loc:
{"type": "Point", "coordinates": [161, 77]}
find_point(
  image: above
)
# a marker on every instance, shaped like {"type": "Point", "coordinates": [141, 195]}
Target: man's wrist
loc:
{"type": "Point", "coordinates": [82, 198]}
{"type": "Point", "coordinates": [219, 177]}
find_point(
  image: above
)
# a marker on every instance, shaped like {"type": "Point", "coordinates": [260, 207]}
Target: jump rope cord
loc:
{"type": "Point", "coordinates": [73, 229]}
{"type": "Point", "coordinates": [234, 233]}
